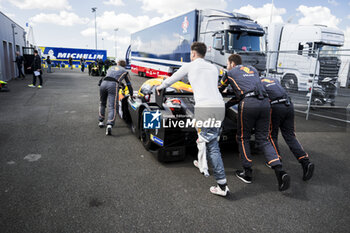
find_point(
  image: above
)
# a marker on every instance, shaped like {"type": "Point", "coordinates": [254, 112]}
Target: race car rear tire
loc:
{"type": "Point", "coordinates": [145, 137]}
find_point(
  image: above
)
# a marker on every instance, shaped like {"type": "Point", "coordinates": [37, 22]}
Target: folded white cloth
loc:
{"type": "Point", "coordinates": [202, 155]}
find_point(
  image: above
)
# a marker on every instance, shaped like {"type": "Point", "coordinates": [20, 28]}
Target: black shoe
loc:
{"type": "Point", "coordinates": [308, 170]}
{"type": "Point", "coordinates": [245, 175]}
{"type": "Point", "coordinates": [283, 180]}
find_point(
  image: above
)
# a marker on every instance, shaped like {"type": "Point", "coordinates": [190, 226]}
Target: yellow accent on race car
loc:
{"type": "Point", "coordinates": [179, 86]}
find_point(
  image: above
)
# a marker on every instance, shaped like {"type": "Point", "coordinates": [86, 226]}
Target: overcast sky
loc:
{"type": "Point", "coordinates": [70, 23]}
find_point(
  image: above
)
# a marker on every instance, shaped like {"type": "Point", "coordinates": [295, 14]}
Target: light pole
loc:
{"type": "Point", "coordinates": [14, 43]}
{"type": "Point", "coordinates": [94, 11]}
{"type": "Point", "coordinates": [115, 43]}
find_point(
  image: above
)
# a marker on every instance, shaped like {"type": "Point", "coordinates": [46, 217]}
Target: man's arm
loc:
{"type": "Point", "coordinates": [238, 93]}
{"type": "Point", "coordinates": [177, 76]}
{"type": "Point", "coordinates": [128, 83]}
{"type": "Point", "coordinates": [125, 76]}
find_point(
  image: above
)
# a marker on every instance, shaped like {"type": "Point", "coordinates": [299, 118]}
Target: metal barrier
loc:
{"type": "Point", "coordinates": [317, 80]}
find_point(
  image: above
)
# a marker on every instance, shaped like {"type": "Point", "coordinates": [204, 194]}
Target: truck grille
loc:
{"type": "Point", "coordinates": [329, 67]}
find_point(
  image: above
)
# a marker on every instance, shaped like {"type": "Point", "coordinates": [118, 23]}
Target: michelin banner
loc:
{"type": "Point", "coordinates": [60, 56]}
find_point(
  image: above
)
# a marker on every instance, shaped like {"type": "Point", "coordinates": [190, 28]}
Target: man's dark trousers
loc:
{"type": "Point", "coordinates": [40, 79]}
{"type": "Point", "coordinates": [254, 113]}
{"type": "Point", "coordinates": [282, 117]}
{"type": "Point", "coordinates": [108, 91]}
{"type": "Point", "coordinates": [20, 72]}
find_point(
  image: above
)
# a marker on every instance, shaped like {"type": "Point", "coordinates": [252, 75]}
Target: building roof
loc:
{"type": "Point", "coordinates": [12, 20]}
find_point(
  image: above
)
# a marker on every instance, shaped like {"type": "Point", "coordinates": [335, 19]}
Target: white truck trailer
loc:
{"type": "Point", "coordinates": [292, 53]}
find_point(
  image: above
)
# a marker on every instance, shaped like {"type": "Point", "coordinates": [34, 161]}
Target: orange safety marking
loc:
{"type": "Point", "coordinates": [272, 142]}
{"type": "Point", "coordinates": [242, 133]}
{"type": "Point", "coordinates": [236, 84]}
{"type": "Point", "coordinates": [274, 160]}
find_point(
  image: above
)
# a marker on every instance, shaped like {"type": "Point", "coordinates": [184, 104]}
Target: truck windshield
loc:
{"type": "Point", "coordinates": [243, 42]}
{"type": "Point", "coordinates": [327, 49]}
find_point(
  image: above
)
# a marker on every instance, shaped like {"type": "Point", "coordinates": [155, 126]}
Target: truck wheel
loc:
{"type": "Point", "coordinates": [290, 82]}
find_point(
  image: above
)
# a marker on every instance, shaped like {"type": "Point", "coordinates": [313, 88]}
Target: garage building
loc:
{"type": "Point", "coordinates": [12, 39]}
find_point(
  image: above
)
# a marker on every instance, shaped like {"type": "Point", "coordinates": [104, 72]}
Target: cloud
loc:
{"type": "Point", "coordinates": [109, 21]}
{"type": "Point", "coordinates": [114, 2]}
{"type": "Point", "coordinates": [262, 14]}
{"type": "Point", "coordinates": [88, 32]}
{"type": "Point", "coordinates": [107, 36]}
{"type": "Point", "coordinates": [125, 40]}
{"type": "Point", "coordinates": [64, 18]}
{"type": "Point", "coordinates": [41, 4]}
{"type": "Point", "coordinates": [333, 2]}
{"type": "Point", "coordinates": [170, 7]}
{"type": "Point", "coordinates": [317, 15]}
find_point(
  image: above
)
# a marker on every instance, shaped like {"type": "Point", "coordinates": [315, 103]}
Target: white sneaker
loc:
{"type": "Point", "coordinates": [109, 130]}
{"type": "Point", "coordinates": [218, 191]}
{"type": "Point", "coordinates": [101, 124]}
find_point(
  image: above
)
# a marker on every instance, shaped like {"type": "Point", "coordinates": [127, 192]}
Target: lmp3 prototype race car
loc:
{"type": "Point", "coordinates": [156, 119]}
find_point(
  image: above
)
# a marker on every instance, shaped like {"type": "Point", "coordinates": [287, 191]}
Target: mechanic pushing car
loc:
{"type": "Point", "coordinates": [109, 88]}
{"type": "Point", "coordinates": [282, 117]}
{"type": "Point", "coordinates": [209, 103]}
{"type": "Point", "coordinates": [253, 113]}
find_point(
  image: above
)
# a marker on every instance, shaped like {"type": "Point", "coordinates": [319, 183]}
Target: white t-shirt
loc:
{"type": "Point", "coordinates": [203, 77]}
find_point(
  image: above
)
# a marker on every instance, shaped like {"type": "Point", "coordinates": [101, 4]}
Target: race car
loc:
{"type": "Point", "coordinates": [3, 86]}
{"type": "Point", "coordinates": [168, 140]}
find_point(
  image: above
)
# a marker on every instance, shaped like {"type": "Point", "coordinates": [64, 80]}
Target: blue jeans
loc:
{"type": "Point", "coordinates": [210, 135]}
{"type": "Point", "coordinates": [49, 68]}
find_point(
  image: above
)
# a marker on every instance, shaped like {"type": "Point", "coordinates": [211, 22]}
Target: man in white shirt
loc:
{"type": "Point", "coordinates": [209, 104]}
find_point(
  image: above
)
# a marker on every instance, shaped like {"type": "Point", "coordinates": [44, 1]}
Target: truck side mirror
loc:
{"type": "Point", "coordinates": [218, 44]}
{"type": "Point", "coordinates": [300, 49]}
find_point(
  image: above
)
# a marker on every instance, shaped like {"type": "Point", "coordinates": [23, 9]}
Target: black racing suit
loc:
{"type": "Point", "coordinates": [253, 113]}
{"type": "Point", "coordinates": [36, 66]}
{"type": "Point", "coordinates": [109, 88]}
{"type": "Point", "coordinates": [282, 117]}
{"type": "Point", "coordinates": [19, 61]}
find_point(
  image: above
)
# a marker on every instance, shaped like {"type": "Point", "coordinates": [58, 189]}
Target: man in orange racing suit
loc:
{"type": "Point", "coordinates": [253, 113]}
{"type": "Point", "coordinates": [282, 117]}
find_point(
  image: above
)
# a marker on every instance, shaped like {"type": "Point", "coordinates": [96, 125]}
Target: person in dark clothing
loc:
{"type": "Point", "coordinates": [282, 117]}
{"type": "Point", "coordinates": [48, 62]}
{"type": "Point", "coordinates": [253, 113]}
{"type": "Point", "coordinates": [36, 68]}
{"type": "Point", "coordinates": [70, 61]}
{"type": "Point", "coordinates": [100, 67]}
{"type": "Point", "coordinates": [109, 89]}
{"type": "Point", "coordinates": [82, 64]}
{"type": "Point", "coordinates": [90, 67]}
{"type": "Point", "coordinates": [19, 61]}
